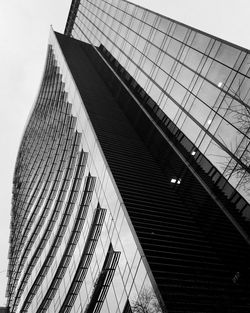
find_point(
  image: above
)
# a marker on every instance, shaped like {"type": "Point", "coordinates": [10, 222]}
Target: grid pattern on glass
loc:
{"type": "Point", "coordinates": [86, 257]}
{"type": "Point", "coordinates": [104, 280]}
{"type": "Point", "coordinates": [54, 176]}
{"type": "Point", "coordinates": [187, 73]}
{"type": "Point", "coordinates": [41, 244]}
{"type": "Point", "coordinates": [93, 236]}
{"type": "Point", "coordinates": [130, 275]}
{"type": "Point", "coordinates": [130, 265]}
{"type": "Point", "coordinates": [48, 117]}
{"type": "Point", "coordinates": [74, 237]}
{"type": "Point", "coordinates": [169, 127]}
{"type": "Point", "coordinates": [29, 164]}
{"type": "Point", "coordinates": [58, 178]}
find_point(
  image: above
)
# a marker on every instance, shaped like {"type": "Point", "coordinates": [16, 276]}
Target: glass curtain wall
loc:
{"type": "Point", "coordinates": [80, 252]}
{"type": "Point", "coordinates": [200, 82]}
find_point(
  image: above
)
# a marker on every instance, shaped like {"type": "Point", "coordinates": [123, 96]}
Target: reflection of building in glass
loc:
{"type": "Point", "coordinates": [127, 190]}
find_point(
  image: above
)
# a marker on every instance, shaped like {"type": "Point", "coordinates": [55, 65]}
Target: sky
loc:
{"type": "Point", "coordinates": [24, 32]}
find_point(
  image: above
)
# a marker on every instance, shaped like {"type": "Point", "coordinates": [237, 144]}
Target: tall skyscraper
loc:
{"type": "Point", "coordinates": [132, 178]}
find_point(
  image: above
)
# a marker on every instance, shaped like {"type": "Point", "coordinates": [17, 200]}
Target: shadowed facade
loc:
{"type": "Point", "coordinates": [115, 204]}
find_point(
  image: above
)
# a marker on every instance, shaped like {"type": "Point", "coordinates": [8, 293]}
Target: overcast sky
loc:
{"type": "Point", "coordinates": [24, 31]}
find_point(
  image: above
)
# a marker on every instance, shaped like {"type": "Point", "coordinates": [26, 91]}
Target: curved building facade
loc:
{"type": "Point", "coordinates": [126, 196]}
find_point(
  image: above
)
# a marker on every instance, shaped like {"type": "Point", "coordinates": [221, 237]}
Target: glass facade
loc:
{"type": "Point", "coordinates": [200, 82]}
{"type": "Point", "coordinates": [127, 193]}
{"type": "Point", "coordinates": [76, 245]}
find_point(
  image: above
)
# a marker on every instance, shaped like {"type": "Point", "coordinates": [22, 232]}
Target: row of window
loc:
{"type": "Point", "coordinates": [130, 276]}
{"type": "Point", "coordinates": [85, 260]}
{"type": "Point", "coordinates": [18, 223]}
{"type": "Point", "coordinates": [61, 200]}
{"type": "Point", "coordinates": [168, 126]}
{"type": "Point", "coordinates": [71, 244]}
{"type": "Point", "coordinates": [208, 104]}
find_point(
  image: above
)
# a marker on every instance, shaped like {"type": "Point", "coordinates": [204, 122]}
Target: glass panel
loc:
{"type": "Point", "coordinates": [152, 52]}
{"type": "Point", "coordinates": [226, 133]}
{"type": "Point", "coordinates": [173, 48]}
{"type": "Point", "coordinates": [139, 13]}
{"type": "Point", "coordinates": [193, 58]}
{"type": "Point", "coordinates": [155, 93]}
{"type": "Point", "coordinates": [208, 93]}
{"type": "Point", "coordinates": [240, 88]}
{"type": "Point", "coordinates": [191, 129]}
{"type": "Point", "coordinates": [200, 42]}
{"type": "Point", "coordinates": [141, 44]}
{"type": "Point", "coordinates": [170, 109]}
{"type": "Point", "coordinates": [245, 67]}
{"type": "Point", "coordinates": [161, 78]}
{"type": "Point", "coordinates": [146, 31]}
{"type": "Point", "coordinates": [178, 92]}
{"type": "Point", "coordinates": [217, 156]}
{"type": "Point", "coordinates": [135, 25]}
{"type": "Point", "coordinates": [227, 54]}
{"type": "Point", "coordinates": [150, 18]}
{"type": "Point", "coordinates": [218, 73]}
{"type": "Point", "coordinates": [180, 32]}
{"type": "Point", "coordinates": [200, 111]}
{"type": "Point", "coordinates": [158, 38]}
{"type": "Point", "coordinates": [185, 76]}
{"type": "Point", "coordinates": [167, 63]}
{"type": "Point", "coordinates": [164, 24]}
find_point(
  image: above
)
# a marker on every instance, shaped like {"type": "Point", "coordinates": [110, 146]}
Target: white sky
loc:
{"type": "Point", "coordinates": [24, 30]}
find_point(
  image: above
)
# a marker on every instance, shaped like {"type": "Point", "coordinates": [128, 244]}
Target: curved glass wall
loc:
{"type": "Point", "coordinates": [73, 246]}
{"type": "Point", "coordinates": [77, 250]}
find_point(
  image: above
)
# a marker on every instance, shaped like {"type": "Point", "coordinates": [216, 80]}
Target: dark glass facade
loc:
{"type": "Point", "coordinates": [131, 183]}
{"type": "Point", "coordinates": [197, 80]}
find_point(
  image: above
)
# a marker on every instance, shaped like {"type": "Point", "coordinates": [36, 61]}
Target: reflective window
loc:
{"type": "Point", "coordinates": [218, 73]}
{"type": "Point", "coordinates": [227, 54]}
{"type": "Point", "coordinates": [164, 25]}
{"type": "Point", "coordinates": [193, 58]}
{"type": "Point", "coordinates": [158, 38]}
{"type": "Point", "coordinates": [166, 63]}
{"type": "Point", "coordinates": [208, 93]}
{"type": "Point", "coordinates": [180, 32]}
{"type": "Point", "coordinates": [185, 76]}
{"type": "Point", "coordinates": [200, 42]}
{"type": "Point", "coordinates": [173, 47]}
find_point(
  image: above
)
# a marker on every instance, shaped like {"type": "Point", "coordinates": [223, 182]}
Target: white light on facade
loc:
{"type": "Point", "coordinates": [175, 181]}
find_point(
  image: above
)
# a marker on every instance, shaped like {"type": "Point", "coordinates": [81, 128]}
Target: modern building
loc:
{"type": "Point", "coordinates": [131, 185]}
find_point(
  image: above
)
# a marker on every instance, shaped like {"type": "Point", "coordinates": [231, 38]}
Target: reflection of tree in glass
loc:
{"type": "Point", "coordinates": [239, 112]}
{"type": "Point", "coordinates": [146, 302]}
